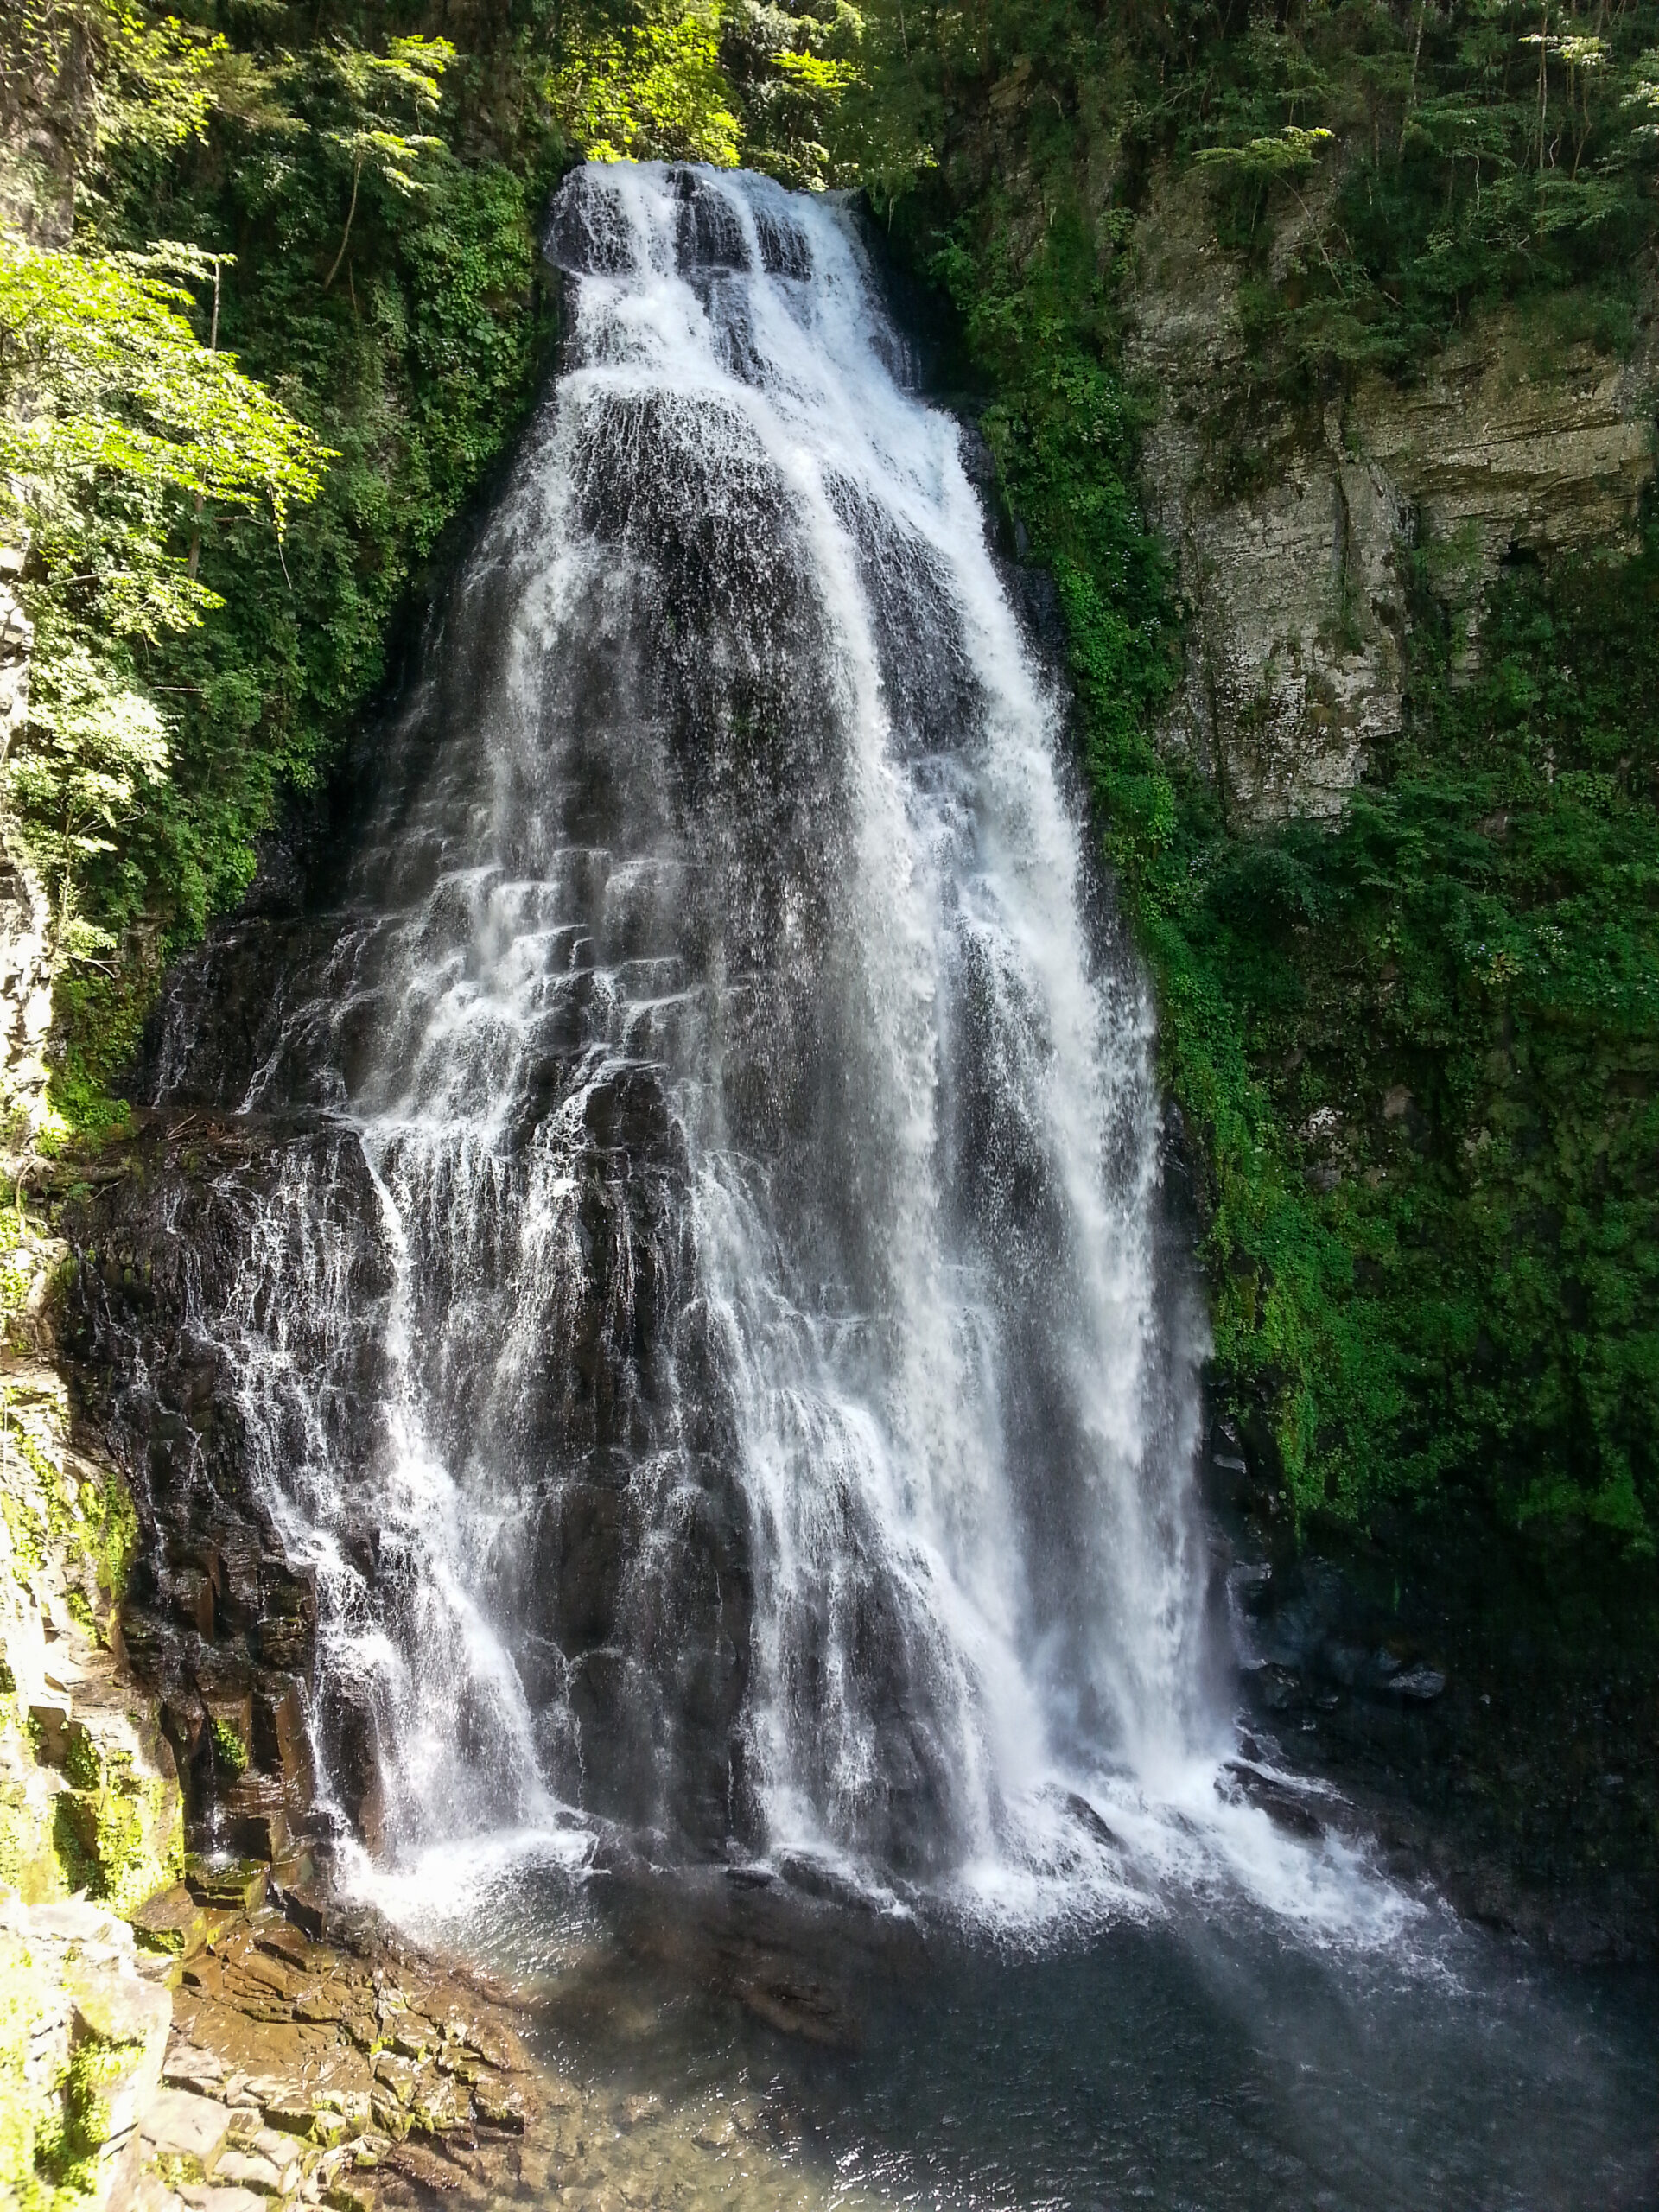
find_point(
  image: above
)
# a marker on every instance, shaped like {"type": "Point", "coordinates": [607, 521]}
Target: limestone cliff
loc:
{"type": "Point", "coordinates": [89, 1796]}
{"type": "Point", "coordinates": [1291, 526]}
{"type": "Point", "coordinates": [90, 1804]}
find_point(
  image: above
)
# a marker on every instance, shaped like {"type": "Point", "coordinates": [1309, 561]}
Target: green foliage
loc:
{"type": "Point", "coordinates": [646, 89]}
{"type": "Point", "coordinates": [100, 1010]}
{"type": "Point", "coordinates": [48, 2115]}
{"type": "Point", "coordinates": [229, 1752]}
{"type": "Point", "coordinates": [1490, 150]}
{"type": "Point", "coordinates": [794, 74]}
{"type": "Point", "coordinates": [1384, 167]}
{"type": "Point", "coordinates": [375, 89]}
{"type": "Point", "coordinates": [94, 746]}
{"type": "Point", "coordinates": [1291, 152]}
{"type": "Point", "coordinates": [70, 2125]}
{"type": "Point", "coordinates": [1414, 1057]}
{"type": "Point", "coordinates": [110, 403]}
{"type": "Point", "coordinates": [103, 73]}
{"type": "Point", "coordinates": [110, 410]}
{"type": "Point", "coordinates": [171, 408]}
{"type": "Point", "coordinates": [1455, 1012]}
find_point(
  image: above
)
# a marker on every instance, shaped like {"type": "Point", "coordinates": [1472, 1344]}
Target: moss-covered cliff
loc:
{"type": "Point", "coordinates": [90, 1804]}
{"type": "Point", "coordinates": [89, 1797]}
{"type": "Point", "coordinates": [1317, 347]}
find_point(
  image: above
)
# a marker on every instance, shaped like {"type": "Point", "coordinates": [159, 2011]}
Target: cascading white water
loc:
{"type": "Point", "coordinates": [713, 1340]}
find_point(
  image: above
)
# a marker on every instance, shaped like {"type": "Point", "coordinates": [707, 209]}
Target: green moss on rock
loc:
{"type": "Point", "coordinates": [229, 1750]}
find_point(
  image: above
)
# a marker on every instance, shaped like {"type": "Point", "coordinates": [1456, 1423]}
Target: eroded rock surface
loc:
{"type": "Point", "coordinates": [82, 2032]}
{"type": "Point", "coordinates": [1292, 528]}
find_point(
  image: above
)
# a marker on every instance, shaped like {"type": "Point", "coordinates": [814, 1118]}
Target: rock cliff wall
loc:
{"type": "Point", "coordinates": [90, 1804]}
{"type": "Point", "coordinates": [89, 1793]}
{"type": "Point", "coordinates": [1293, 525]}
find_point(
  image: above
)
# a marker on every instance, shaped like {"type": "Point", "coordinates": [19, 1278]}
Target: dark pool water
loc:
{"type": "Point", "coordinates": [1191, 2066]}
{"type": "Point", "coordinates": [1208, 2060]}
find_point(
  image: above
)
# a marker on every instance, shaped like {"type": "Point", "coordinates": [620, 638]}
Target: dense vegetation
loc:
{"type": "Point", "coordinates": [1415, 1056]}
{"type": "Point", "coordinates": [376, 275]}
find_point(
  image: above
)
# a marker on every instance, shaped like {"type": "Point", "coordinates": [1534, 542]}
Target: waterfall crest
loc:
{"type": "Point", "coordinates": [708, 1329]}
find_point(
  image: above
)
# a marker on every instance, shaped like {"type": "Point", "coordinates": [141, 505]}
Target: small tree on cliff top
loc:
{"type": "Point", "coordinates": [382, 89]}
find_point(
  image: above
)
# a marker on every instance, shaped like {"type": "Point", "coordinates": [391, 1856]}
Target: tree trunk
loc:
{"type": "Point", "coordinates": [212, 347]}
{"type": "Point", "coordinates": [357, 172]}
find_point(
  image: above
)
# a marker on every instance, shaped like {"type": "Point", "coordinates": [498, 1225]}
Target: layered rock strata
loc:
{"type": "Point", "coordinates": [1292, 527]}
{"type": "Point", "coordinates": [82, 2034]}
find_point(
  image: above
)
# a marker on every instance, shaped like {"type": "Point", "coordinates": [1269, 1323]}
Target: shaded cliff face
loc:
{"type": "Point", "coordinates": [1295, 527]}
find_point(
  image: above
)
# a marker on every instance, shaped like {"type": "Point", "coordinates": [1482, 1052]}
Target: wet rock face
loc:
{"type": "Point", "coordinates": [636, 1678]}
{"type": "Point", "coordinates": [1291, 531]}
{"type": "Point", "coordinates": [217, 1620]}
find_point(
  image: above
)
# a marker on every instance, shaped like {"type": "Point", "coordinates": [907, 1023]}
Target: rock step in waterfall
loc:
{"type": "Point", "coordinates": [692, 1280]}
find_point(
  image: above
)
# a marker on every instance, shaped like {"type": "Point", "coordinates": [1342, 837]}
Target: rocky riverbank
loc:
{"type": "Point", "coordinates": [351, 2071]}
{"type": "Point", "coordinates": [1493, 1729]}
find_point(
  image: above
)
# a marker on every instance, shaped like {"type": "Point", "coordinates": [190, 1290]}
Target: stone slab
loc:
{"type": "Point", "coordinates": [181, 2124]}
{"type": "Point", "coordinates": [245, 2173]}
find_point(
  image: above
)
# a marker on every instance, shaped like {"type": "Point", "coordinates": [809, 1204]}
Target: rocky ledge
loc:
{"type": "Point", "coordinates": [83, 2027]}
{"type": "Point", "coordinates": [350, 2071]}
{"type": "Point", "coordinates": [340, 2065]}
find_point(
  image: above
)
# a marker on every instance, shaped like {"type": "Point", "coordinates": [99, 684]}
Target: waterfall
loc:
{"type": "Point", "coordinates": [707, 1322]}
